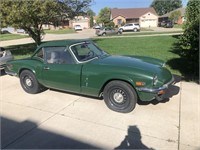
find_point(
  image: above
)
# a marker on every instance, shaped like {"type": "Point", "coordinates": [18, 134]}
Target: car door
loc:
{"type": "Point", "coordinates": [108, 31]}
{"type": "Point", "coordinates": [60, 70]}
{"type": "Point", "coordinates": [127, 27]}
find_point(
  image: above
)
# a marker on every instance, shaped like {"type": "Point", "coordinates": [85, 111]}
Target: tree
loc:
{"type": "Point", "coordinates": [72, 8]}
{"type": "Point", "coordinates": [189, 41]}
{"type": "Point", "coordinates": [104, 16]}
{"type": "Point", "coordinates": [91, 13]}
{"type": "Point", "coordinates": [28, 15]}
{"type": "Point", "coordinates": [175, 16]}
{"type": "Point", "coordinates": [91, 21]}
{"type": "Point", "coordinates": [31, 15]}
{"type": "Point", "coordinates": [164, 6]}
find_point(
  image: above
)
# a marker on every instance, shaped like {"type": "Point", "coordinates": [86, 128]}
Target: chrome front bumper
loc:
{"type": "Point", "coordinates": [157, 91]}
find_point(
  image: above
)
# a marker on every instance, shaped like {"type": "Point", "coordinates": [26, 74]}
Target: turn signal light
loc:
{"type": "Point", "coordinates": [140, 83]}
{"type": "Point", "coordinates": [161, 92]}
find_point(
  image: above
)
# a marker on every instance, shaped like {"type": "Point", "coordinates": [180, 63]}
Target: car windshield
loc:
{"type": "Point", "coordinates": [87, 51]}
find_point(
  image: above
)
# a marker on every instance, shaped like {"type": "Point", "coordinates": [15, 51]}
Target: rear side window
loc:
{"type": "Point", "coordinates": [58, 55]}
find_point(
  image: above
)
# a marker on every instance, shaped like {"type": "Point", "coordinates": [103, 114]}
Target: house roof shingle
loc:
{"type": "Point", "coordinates": [131, 12]}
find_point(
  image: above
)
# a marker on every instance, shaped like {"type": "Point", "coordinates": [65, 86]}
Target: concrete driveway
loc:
{"type": "Point", "coordinates": [58, 120]}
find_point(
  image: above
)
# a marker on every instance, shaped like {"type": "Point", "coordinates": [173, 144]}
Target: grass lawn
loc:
{"type": "Point", "coordinates": [5, 37]}
{"type": "Point", "coordinates": [178, 25]}
{"type": "Point", "coordinates": [60, 31]}
{"type": "Point", "coordinates": [148, 33]}
{"type": "Point", "coordinates": [157, 47]}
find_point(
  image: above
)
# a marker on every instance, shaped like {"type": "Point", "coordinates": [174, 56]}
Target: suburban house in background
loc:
{"type": "Point", "coordinates": [145, 17]}
{"type": "Point", "coordinates": [166, 17]}
{"type": "Point", "coordinates": [83, 21]}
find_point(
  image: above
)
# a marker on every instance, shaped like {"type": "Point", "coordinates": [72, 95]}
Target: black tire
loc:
{"type": "Point", "coordinates": [120, 96]}
{"type": "Point", "coordinates": [135, 30]}
{"type": "Point", "coordinates": [104, 34]}
{"type": "Point", "coordinates": [29, 83]}
{"type": "Point", "coordinates": [121, 30]}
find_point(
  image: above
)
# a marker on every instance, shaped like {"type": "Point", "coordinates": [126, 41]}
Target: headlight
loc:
{"type": "Point", "coordinates": [155, 80]}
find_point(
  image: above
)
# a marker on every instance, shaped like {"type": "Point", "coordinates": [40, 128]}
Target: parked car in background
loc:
{"type": "Point", "coordinates": [80, 66]}
{"type": "Point", "coordinates": [166, 24]}
{"type": "Point", "coordinates": [77, 28]}
{"type": "Point", "coordinates": [130, 27]}
{"type": "Point", "coordinates": [96, 27]}
{"type": "Point", "coordinates": [107, 31]}
{"type": "Point", "coordinates": [5, 55]}
{"type": "Point", "coordinates": [21, 31]}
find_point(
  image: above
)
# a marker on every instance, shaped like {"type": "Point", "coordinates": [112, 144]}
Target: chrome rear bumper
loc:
{"type": "Point", "coordinates": [10, 73]}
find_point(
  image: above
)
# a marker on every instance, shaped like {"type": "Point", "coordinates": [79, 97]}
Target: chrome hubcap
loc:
{"type": "Point", "coordinates": [118, 97]}
{"type": "Point", "coordinates": [28, 82]}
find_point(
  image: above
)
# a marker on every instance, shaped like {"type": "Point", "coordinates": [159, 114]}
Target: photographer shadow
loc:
{"type": "Point", "coordinates": [133, 140]}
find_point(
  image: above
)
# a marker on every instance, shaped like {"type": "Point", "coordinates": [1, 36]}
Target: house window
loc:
{"type": "Point", "coordinates": [119, 21]}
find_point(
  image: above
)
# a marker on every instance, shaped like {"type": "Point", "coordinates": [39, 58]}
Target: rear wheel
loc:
{"type": "Point", "coordinates": [104, 34]}
{"type": "Point", "coordinates": [120, 96]}
{"type": "Point", "coordinates": [135, 30]}
{"type": "Point", "coordinates": [29, 83]}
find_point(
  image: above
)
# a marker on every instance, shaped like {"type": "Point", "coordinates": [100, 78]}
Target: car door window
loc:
{"type": "Point", "coordinates": [58, 55]}
{"type": "Point", "coordinates": [40, 54]}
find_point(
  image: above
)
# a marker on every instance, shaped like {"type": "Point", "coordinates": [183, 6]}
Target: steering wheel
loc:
{"type": "Point", "coordinates": [90, 54]}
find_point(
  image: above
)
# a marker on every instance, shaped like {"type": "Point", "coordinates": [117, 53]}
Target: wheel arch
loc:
{"type": "Point", "coordinates": [130, 82]}
{"type": "Point", "coordinates": [25, 68]}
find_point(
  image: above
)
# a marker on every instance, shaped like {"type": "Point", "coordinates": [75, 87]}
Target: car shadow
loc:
{"type": "Point", "coordinates": [172, 91]}
{"type": "Point", "coordinates": [76, 94]}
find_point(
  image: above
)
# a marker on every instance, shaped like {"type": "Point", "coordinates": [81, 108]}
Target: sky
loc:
{"type": "Point", "coordinates": [97, 5]}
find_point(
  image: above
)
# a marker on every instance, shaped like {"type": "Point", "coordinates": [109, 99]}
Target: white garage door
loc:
{"type": "Point", "coordinates": [148, 23]}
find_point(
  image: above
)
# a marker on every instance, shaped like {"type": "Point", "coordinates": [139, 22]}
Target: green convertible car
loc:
{"type": "Point", "coordinates": [79, 66]}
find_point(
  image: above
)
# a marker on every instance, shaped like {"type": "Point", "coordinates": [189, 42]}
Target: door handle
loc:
{"type": "Point", "coordinates": [46, 68]}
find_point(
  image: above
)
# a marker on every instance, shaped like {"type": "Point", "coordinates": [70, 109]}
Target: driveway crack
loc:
{"type": "Point", "coordinates": [179, 125]}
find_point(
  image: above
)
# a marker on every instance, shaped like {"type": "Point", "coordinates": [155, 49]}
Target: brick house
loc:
{"type": "Point", "coordinates": [146, 17]}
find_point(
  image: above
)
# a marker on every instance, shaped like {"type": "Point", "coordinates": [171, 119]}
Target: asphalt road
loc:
{"type": "Point", "coordinates": [60, 120]}
{"type": "Point", "coordinates": [85, 34]}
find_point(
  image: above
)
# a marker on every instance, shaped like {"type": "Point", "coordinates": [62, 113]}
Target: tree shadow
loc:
{"type": "Point", "coordinates": [27, 135]}
{"type": "Point", "coordinates": [132, 140]}
{"type": "Point", "coordinates": [171, 91]}
{"type": "Point", "coordinates": [186, 66]}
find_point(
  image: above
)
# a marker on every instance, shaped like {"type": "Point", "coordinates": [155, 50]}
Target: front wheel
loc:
{"type": "Point", "coordinates": [29, 83]}
{"type": "Point", "coordinates": [120, 96]}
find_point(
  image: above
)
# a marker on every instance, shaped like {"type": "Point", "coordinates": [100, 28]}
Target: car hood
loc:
{"type": "Point", "coordinates": [148, 65]}
{"type": "Point", "coordinates": [140, 62]}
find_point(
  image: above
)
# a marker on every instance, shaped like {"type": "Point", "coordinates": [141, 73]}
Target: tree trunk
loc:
{"type": "Point", "coordinates": [36, 36]}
